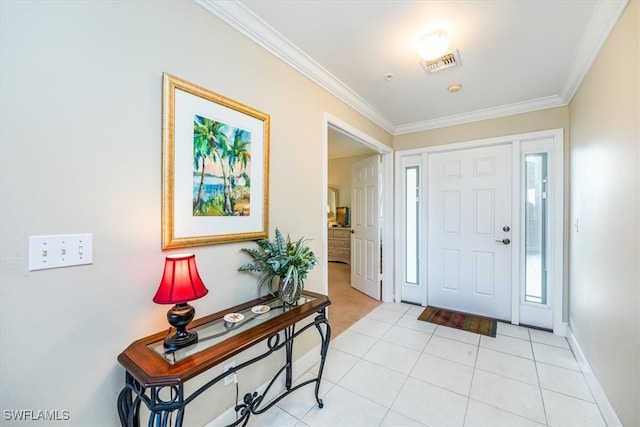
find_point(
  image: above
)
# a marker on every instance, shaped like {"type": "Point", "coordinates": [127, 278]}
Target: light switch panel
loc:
{"type": "Point", "coordinates": [64, 250]}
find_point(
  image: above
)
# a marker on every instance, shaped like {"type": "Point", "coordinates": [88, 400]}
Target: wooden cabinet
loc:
{"type": "Point", "coordinates": [340, 244]}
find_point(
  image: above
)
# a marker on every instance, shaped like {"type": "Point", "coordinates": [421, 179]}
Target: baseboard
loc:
{"type": "Point", "coordinates": [607, 411]}
{"type": "Point", "coordinates": [306, 362]}
{"type": "Point", "coordinates": [561, 329]}
{"type": "Point", "coordinates": [300, 366]}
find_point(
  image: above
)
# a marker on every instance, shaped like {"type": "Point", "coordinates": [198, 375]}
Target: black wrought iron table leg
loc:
{"type": "Point", "coordinates": [289, 332]}
{"type": "Point", "coordinates": [129, 403]}
{"type": "Point", "coordinates": [162, 418]}
{"type": "Point", "coordinates": [324, 348]}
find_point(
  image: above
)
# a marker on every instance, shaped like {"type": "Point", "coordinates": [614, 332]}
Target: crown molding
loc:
{"type": "Point", "coordinates": [484, 114]}
{"type": "Point", "coordinates": [243, 20]}
{"type": "Point", "coordinates": [602, 21]}
{"type": "Point", "coordinates": [246, 22]}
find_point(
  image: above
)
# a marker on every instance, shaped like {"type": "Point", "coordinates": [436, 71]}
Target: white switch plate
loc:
{"type": "Point", "coordinates": [60, 251]}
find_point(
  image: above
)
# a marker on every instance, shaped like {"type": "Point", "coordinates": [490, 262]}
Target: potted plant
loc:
{"type": "Point", "coordinates": [288, 260]}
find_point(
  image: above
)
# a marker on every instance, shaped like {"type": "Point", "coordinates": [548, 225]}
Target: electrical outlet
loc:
{"type": "Point", "coordinates": [231, 377]}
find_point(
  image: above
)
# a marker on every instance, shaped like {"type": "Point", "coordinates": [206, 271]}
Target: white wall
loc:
{"type": "Point", "coordinates": [81, 152]}
{"type": "Point", "coordinates": [605, 201]}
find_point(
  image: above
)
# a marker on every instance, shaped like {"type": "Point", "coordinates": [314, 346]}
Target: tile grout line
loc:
{"type": "Point", "coordinates": [423, 351]}
{"type": "Point", "coordinates": [511, 379]}
{"type": "Point", "coordinates": [408, 375]}
{"type": "Point", "coordinates": [535, 365]}
{"type": "Point", "coordinates": [361, 358]}
{"type": "Point", "coordinates": [473, 375]}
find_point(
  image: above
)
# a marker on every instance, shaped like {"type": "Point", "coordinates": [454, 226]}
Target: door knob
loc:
{"type": "Point", "coordinates": [504, 241]}
{"type": "Point", "coordinates": [352, 231]}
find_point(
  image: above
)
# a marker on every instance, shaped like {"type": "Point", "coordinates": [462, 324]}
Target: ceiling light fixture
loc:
{"type": "Point", "coordinates": [433, 45]}
{"type": "Point", "coordinates": [454, 88]}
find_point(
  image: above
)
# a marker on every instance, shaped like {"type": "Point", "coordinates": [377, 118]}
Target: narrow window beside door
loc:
{"type": "Point", "coordinates": [411, 221]}
{"type": "Point", "coordinates": [536, 228]}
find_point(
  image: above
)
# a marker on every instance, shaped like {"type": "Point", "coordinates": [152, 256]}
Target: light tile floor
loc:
{"type": "Point", "coordinates": [390, 369]}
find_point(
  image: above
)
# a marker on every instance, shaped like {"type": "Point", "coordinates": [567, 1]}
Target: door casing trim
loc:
{"type": "Point", "coordinates": [387, 234]}
{"type": "Point", "coordinates": [556, 236]}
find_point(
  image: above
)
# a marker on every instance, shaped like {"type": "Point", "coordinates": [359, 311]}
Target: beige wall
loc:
{"type": "Point", "coordinates": [553, 118]}
{"type": "Point", "coordinates": [605, 200]}
{"type": "Point", "coordinates": [339, 176]}
{"type": "Point", "coordinates": [81, 152]}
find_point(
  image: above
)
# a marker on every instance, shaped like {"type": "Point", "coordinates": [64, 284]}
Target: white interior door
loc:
{"type": "Point", "coordinates": [469, 229]}
{"type": "Point", "coordinates": [365, 237]}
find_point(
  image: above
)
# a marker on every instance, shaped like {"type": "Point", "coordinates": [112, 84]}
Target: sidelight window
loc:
{"type": "Point", "coordinates": [535, 232]}
{"type": "Point", "coordinates": [411, 224]}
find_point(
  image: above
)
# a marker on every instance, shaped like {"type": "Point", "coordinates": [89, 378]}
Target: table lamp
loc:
{"type": "Point", "coordinates": [180, 284]}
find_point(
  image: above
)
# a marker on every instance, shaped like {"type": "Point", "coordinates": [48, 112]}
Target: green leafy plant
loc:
{"type": "Point", "coordinates": [290, 260]}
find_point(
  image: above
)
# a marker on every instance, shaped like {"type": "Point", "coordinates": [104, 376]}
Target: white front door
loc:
{"type": "Point", "coordinates": [365, 240]}
{"type": "Point", "coordinates": [469, 228]}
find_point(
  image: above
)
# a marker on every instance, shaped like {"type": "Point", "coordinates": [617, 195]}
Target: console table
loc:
{"type": "Point", "coordinates": [156, 376]}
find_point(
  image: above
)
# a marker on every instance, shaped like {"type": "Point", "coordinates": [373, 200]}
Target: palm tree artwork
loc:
{"type": "Point", "coordinates": [221, 169]}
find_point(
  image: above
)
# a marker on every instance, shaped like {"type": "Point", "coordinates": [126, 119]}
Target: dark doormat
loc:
{"type": "Point", "coordinates": [454, 319]}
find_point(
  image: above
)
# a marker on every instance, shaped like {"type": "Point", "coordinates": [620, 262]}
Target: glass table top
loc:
{"type": "Point", "coordinates": [216, 331]}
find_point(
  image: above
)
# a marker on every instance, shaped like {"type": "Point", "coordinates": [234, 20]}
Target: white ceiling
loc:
{"type": "Point", "coordinates": [340, 145]}
{"type": "Point", "coordinates": [516, 56]}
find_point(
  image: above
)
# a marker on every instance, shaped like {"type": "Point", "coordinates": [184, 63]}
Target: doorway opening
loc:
{"type": "Point", "coordinates": [345, 148]}
{"type": "Point", "coordinates": [347, 304]}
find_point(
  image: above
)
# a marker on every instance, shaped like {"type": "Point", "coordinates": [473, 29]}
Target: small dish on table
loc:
{"type": "Point", "coordinates": [230, 319]}
{"type": "Point", "coordinates": [260, 309]}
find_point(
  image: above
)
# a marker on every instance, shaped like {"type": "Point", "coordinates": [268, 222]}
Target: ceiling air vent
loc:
{"type": "Point", "coordinates": [446, 61]}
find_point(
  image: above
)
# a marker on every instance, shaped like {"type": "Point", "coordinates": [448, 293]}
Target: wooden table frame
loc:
{"type": "Point", "coordinates": [148, 375]}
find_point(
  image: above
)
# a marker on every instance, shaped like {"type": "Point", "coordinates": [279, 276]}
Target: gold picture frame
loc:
{"type": "Point", "coordinates": [215, 167]}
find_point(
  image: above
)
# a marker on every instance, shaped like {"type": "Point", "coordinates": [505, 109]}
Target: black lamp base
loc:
{"type": "Point", "coordinates": [179, 317]}
{"type": "Point", "coordinates": [176, 342]}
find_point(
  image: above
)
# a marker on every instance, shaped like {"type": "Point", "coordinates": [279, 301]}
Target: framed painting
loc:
{"type": "Point", "coordinates": [215, 167]}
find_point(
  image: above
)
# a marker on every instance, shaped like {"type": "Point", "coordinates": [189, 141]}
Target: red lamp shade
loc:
{"type": "Point", "coordinates": [180, 281]}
